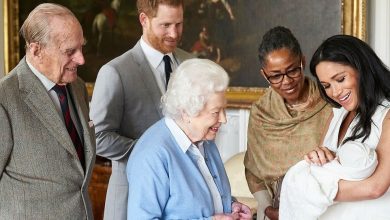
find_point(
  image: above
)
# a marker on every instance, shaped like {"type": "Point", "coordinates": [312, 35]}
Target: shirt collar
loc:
{"type": "Point", "coordinates": [47, 83]}
{"type": "Point", "coordinates": [153, 56]}
{"type": "Point", "coordinates": [181, 138]}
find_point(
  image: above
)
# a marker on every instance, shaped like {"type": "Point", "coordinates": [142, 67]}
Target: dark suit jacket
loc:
{"type": "Point", "coordinates": [41, 176]}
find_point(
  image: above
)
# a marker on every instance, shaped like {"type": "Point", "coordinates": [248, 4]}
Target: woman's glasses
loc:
{"type": "Point", "coordinates": [278, 77]}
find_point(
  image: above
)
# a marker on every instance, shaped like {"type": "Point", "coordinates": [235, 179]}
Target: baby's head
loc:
{"type": "Point", "coordinates": [355, 154]}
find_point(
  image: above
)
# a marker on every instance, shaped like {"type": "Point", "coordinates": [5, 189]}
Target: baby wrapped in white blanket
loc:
{"type": "Point", "coordinates": [308, 190]}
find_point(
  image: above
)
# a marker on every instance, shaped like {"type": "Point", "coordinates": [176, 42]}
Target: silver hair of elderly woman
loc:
{"type": "Point", "coordinates": [190, 85]}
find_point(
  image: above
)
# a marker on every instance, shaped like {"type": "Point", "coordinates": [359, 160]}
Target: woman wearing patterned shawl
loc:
{"type": "Point", "coordinates": [285, 123]}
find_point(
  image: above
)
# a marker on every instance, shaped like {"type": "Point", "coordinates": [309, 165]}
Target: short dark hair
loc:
{"type": "Point", "coordinates": [149, 7]}
{"type": "Point", "coordinates": [373, 75]}
{"type": "Point", "coordinates": [277, 38]}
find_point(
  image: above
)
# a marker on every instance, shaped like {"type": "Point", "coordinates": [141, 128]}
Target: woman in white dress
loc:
{"type": "Point", "coordinates": [356, 82]}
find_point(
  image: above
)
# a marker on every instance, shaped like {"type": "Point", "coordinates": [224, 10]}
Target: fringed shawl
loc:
{"type": "Point", "coordinates": [277, 140]}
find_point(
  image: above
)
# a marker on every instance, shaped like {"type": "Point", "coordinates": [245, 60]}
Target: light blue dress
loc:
{"type": "Point", "coordinates": [165, 182]}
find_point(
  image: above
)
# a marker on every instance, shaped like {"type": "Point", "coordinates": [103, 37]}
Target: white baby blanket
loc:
{"type": "Point", "coordinates": [308, 190]}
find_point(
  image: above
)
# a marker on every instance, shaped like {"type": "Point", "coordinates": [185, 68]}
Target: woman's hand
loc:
{"type": "Point", "coordinates": [272, 213]}
{"type": "Point", "coordinates": [319, 156]}
{"type": "Point", "coordinates": [243, 211]}
{"type": "Point", "coordinates": [232, 216]}
{"type": "Point", "coordinates": [239, 212]}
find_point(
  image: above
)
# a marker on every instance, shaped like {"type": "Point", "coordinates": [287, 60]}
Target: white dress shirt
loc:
{"type": "Point", "coordinates": [156, 63]}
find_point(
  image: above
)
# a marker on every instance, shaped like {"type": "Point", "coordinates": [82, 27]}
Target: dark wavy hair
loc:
{"type": "Point", "coordinates": [373, 75]}
{"type": "Point", "coordinates": [277, 38]}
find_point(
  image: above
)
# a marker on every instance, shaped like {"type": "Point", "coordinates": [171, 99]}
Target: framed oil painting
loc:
{"type": "Point", "coordinates": [226, 31]}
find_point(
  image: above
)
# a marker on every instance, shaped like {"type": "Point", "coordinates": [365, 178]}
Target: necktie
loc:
{"type": "Point", "coordinates": [167, 67]}
{"type": "Point", "coordinates": [62, 96]}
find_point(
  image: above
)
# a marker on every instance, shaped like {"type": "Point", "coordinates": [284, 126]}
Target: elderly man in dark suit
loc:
{"type": "Point", "coordinates": [126, 98]}
{"type": "Point", "coordinates": [47, 148]}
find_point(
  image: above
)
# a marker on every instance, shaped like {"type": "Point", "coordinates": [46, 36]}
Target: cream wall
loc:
{"type": "Point", "coordinates": [379, 28]}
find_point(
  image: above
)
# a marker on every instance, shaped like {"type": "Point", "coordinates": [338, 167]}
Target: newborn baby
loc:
{"type": "Point", "coordinates": [356, 161]}
{"type": "Point", "coordinates": [312, 188]}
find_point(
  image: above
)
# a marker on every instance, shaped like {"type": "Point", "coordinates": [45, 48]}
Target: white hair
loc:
{"type": "Point", "coordinates": [37, 29]}
{"type": "Point", "coordinates": [190, 86]}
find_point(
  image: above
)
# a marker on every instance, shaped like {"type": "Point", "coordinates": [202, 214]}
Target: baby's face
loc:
{"type": "Point", "coordinates": [354, 154]}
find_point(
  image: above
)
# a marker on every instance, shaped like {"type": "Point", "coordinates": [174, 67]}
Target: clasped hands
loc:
{"type": "Point", "coordinates": [239, 212]}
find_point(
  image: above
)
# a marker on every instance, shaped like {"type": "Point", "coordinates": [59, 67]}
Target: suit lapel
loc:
{"type": "Point", "coordinates": [146, 74]}
{"type": "Point", "coordinates": [178, 56]}
{"type": "Point", "coordinates": [148, 77]}
{"type": "Point", "coordinates": [76, 92]}
{"type": "Point", "coordinates": [38, 100]}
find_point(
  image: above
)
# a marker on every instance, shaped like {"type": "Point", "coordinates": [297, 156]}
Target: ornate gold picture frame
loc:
{"type": "Point", "coordinates": [352, 22]}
